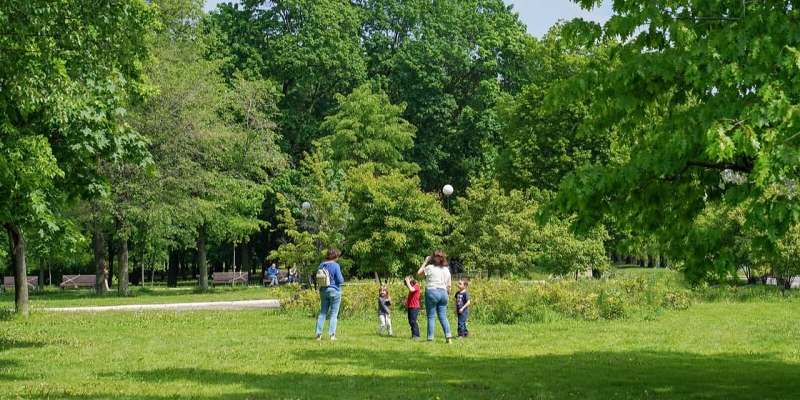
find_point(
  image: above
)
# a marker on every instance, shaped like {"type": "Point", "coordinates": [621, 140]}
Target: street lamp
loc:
{"type": "Point", "coordinates": [447, 190]}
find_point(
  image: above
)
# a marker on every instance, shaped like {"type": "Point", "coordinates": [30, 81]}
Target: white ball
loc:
{"type": "Point", "coordinates": [306, 205]}
{"type": "Point", "coordinates": [447, 190]}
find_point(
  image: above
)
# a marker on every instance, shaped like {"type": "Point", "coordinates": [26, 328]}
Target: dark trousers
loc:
{"type": "Point", "coordinates": [413, 313]}
{"type": "Point", "coordinates": [462, 324]}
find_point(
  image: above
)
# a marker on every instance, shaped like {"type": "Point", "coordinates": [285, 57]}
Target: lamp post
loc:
{"type": "Point", "coordinates": [447, 191]}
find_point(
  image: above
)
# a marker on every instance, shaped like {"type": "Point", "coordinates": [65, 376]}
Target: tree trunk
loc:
{"type": "Point", "coordinates": [142, 275]}
{"type": "Point", "coordinates": [17, 247]}
{"type": "Point", "coordinates": [112, 252]}
{"type": "Point", "coordinates": [202, 266]}
{"type": "Point", "coordinates": [123, 267]}
{"type": "Point", "coordinates": [41, 273]}
{"type": "Point", "coordinates": [99, 261]}
{"type": "Point", "coordinates": [244, 256]}
{"type": "Point", "coordinates": [172, 272]}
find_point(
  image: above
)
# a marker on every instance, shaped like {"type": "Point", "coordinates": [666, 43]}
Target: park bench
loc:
{"type": "Point", "coordinates": [78, 281]}
{"type": "Point", "coordinates": [283, 277]}
{"type": "Point", "coordinates": [231, 278]}
{"type": "Point", "coordinates": [8, 282]}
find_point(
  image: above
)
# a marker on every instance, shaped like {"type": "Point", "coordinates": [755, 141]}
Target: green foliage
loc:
{"type": "Point", "coordinates": [503, 233]}
{"type": "Point", "coordinates": [448, 61]}
{"type": "Point", "coordinates": [540, 145]}
{"type": "Point", "coordinates": [499, 301]}
{"type": "Point", "coordinates": [786, 264]}
{"type": "Point", "coordinates": [311, 48]}
{"type": "Point", "coordinates": [213, 144]}
{"type": "Point", "coordinates": [394, 222]}
{"type": "Point", "coordinates": [495, 231]}
{"type": "Point", "coordinates": [697, 120]}
{"type": "Point", "coordinates": [367, 128]}
{"type": "Point", "coordinates": [75, 67]}
{"type": "Point", "coordinates": [564, 253]}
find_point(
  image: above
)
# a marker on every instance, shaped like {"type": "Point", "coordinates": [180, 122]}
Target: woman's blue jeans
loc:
{"type": "Point", "coordinates": [330, 299]}
{"type": "Point", "coordinates": [436, 305]}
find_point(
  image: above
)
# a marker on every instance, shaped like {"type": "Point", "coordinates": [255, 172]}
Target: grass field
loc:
{"type": "Point", "coordinates": [711, 351]}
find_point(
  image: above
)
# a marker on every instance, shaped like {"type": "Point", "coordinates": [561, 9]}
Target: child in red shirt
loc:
{"type": "Point", "coordinates": [412, 305]}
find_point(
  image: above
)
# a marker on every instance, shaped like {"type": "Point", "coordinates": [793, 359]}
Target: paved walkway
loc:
{"type": "Point", "coordinates": [214, 305]}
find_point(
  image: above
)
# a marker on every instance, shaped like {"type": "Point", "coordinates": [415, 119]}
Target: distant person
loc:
{"type": "Point", "coordinates": [437, 289]}
{"type": "Point", "coordinates": [412, 305]}
{"type": "Point", "coordinates": [272, 275]}
{"type": "Point", "coordinates": [291, 277]}
{"type": "Point", "coordinates": [384, 312]}
{"type": "Point", "coordinates": [329, 281]}
{"type": "Point", "coordinates": [462, 307]}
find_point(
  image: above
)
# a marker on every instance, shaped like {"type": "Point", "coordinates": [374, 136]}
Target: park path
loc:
{"type": "Point", "coordinates": [213, 305]}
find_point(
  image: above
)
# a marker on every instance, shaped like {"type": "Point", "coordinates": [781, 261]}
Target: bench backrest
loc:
{"type": "Point", "coordinates": [78, 280]}
{"type": "Point", "coordinates": [8, 281]}
{"type": "Point", "coordinates": [227, 277]}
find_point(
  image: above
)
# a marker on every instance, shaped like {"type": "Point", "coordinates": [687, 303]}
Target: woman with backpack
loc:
{"type": "Point", "coordinates": [436, 271]}
{"type": "Point", "coordinates": [329, 281]}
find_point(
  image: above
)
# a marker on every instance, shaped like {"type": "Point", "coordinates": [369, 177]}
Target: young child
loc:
{"type": "Point", "coordinates": [384, 313]}
{"type": "Point", "coordinates": [412, 305]}
{"type": "Point", "coordinates": [462, 307]}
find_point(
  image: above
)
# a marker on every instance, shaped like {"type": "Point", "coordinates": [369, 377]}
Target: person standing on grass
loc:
{"type": "Point", "coordinates": [329, 281]}
{"type": "Point", "coordinates": [412, 305]}
{"type": "Point", "coordinates": [462, 307]}
{"type": "Point", "coordinates": [384, 312]}
{"type": "Point", "coordinates": [437, 288]}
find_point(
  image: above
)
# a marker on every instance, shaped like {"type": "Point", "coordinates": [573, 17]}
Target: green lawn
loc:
{"type": "Point", "coordinates": [711, 351]}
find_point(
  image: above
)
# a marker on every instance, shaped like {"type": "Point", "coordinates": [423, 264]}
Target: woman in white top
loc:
{"type": "Point", "coordinates": [436, 271]}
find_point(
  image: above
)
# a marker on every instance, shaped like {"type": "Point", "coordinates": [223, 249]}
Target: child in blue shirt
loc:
{"type": "Point", "coordinates": [462, 307]}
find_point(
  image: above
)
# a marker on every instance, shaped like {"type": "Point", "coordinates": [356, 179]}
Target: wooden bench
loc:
{"type": "Point", "coordinates": [78, 281]}
{"type": "Point", "coordinates": [231, 278]}
{"type": "Point", "coordinates": [8, 282]}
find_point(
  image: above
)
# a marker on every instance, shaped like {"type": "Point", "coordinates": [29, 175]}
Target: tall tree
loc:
{"type": "Point", "coordinates": [448, 61]}
{"type": "Point", "coordinates": [68, 70]}
{"type": "Point", "coordinates": [213, 142]}
{"type": "Point", "coordinates": [700, 99]}
{"type": "Point", "coordinates": [367, 128]}
{"type": "Point", "coordinates": [311, 48]}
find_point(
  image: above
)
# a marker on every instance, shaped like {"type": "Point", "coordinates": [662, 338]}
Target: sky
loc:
{"type": "Point", "coordinates": [538, 15]}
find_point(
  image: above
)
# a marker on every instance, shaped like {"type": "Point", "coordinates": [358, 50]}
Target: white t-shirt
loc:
{"type": "Point", "coordinates": [437, 277]}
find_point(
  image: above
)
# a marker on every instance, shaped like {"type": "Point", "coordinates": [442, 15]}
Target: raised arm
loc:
{"type": "Point", "coordinates": [421, 270]}
{"type": "Point", "coordinates": [407, 281]}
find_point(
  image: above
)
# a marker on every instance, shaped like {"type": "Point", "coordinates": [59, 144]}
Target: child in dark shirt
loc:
{"type": "Point", "coordinates": [384, 313]}
{"type": "Point", "coordinates": [462, 307]}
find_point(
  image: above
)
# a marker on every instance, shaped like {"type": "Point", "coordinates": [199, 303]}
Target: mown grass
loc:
{"type": "Point", "coordinates": [711, 351]}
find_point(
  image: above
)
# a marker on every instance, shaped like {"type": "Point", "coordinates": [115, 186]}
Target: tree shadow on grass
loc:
{"type": "Point", "coordinates": [354, 373]}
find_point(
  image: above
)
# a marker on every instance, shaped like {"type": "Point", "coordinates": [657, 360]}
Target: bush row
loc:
{"type": "Point", "coordinates": [507, 302]}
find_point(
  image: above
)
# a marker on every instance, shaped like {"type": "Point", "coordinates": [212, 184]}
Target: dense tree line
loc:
{"type": "Point", "coordinates": [155, 136]}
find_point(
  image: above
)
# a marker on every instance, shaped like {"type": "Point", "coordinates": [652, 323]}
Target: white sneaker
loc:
{"type": "Point", "coordinates": [319, 337]}
{"type": "Point", "coordinates": [333, 338]}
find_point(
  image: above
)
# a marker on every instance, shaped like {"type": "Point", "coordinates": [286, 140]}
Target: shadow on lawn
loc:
{"type": "Point", "coordinates": [600, 375]}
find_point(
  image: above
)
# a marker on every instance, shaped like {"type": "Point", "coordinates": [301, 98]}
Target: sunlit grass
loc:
{"type": "Point", "coordinates": [717, 351]}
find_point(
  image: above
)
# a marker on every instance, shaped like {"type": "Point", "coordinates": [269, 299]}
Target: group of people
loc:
{"type": "Point", "coordinates": [438, 282]}
{"type": "Point", "coordinates": [272, 275]}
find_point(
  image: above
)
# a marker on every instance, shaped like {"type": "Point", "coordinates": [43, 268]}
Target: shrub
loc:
{"type": "Point", "coordinates": [503, 301]}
